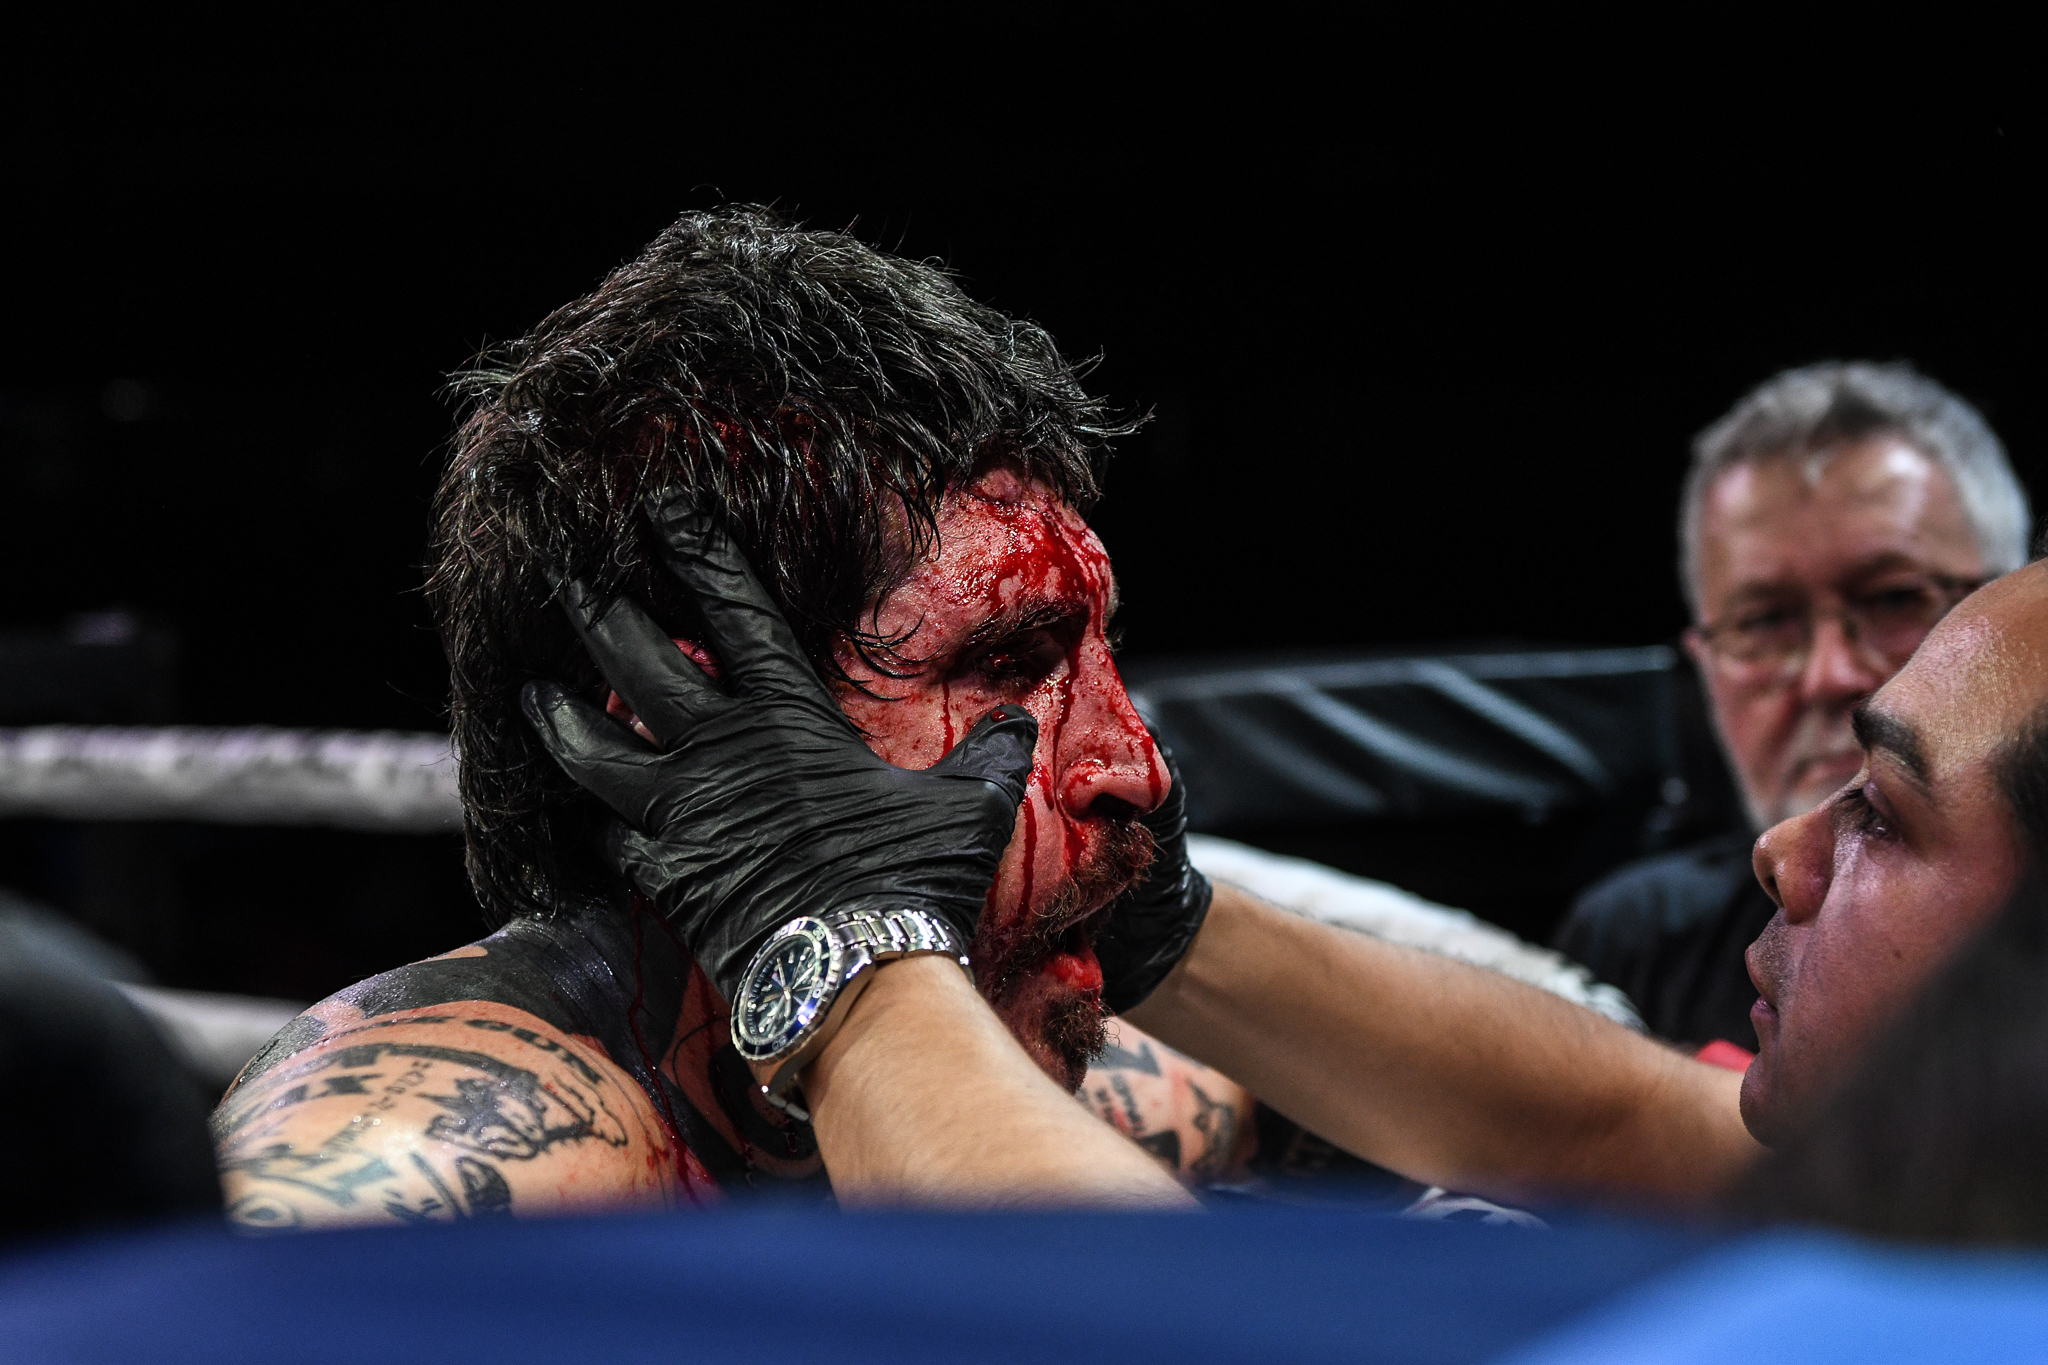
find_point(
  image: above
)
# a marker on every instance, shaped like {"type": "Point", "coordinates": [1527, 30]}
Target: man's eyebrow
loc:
{"type": "Point", "coordinates": [1881, 731]}
{"type": "Point", "coordinates": [1025, 614]}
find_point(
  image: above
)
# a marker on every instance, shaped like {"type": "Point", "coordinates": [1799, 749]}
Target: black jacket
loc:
{"type": "Point", "coordinates": [1670, 931]}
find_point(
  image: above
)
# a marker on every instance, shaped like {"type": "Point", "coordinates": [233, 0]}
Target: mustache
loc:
{"type": "Point", "coordinates": [1123, 852]}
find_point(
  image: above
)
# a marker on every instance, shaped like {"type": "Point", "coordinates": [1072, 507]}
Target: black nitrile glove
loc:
{"type": "Point", "coordinates": [765, 804]}
{"type": "Point", "coordinates": [1151, 925]}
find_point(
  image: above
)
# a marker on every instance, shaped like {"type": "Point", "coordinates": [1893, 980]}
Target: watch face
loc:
{"type": "Point", "coordinates": [785, 987]}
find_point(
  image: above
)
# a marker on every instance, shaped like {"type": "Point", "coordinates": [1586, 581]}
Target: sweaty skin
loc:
{"type": "Point", "coordinates": [442, 1112]}
{"type": "Point", "coordinates": [1816, 530]}
{"type": "Point", "coordinates": [1011, 606]}
{"type": "Point", "coordinates": [552, 1066]}
{"type": "Point", "coordinates": [1881, 885]}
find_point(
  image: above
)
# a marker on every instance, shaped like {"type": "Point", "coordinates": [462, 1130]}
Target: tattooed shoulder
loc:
{"type": "Point", "coordinates": [470, 1109]}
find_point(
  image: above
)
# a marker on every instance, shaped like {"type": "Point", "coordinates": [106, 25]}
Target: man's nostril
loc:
{"type": "Point", "coordinates": [1112, 808]}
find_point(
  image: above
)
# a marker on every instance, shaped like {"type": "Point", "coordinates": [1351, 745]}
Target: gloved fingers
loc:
{"type": "Point", "coordinates": [1172, 808]}
{"type": "Point", "coordinates": [600, 755]}
{"type": "Point", "coordinates": [666, 690]}
{"type": "Point", "coordinates": [720, 945]}
{"type": "Point", "coordinates": [998, 750]}
{"type": "Point", "coordinates": [633, 855]}
{"type": "Point", "coordinates": [1165, 752]}
{"type": "Point", "coordinates": [754, 644]}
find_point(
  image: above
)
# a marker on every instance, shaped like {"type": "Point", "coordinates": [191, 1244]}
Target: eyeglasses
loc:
{"type": "Point", "coordinates": [1773, 641]}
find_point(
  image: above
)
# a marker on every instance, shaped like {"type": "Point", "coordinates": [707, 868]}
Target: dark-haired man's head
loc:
{"type": "Point", "coordinates": [1829, 520]}
{"type": "Point", "coordinates": [906, 470]}
{"type": "Point", "coordinates": [1880, 886]}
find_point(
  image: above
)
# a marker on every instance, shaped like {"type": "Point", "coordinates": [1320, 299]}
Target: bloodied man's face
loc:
{"type": "Point", "coordinates": [1012, 605]}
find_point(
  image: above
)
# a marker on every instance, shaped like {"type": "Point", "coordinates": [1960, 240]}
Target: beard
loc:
{"type": "Point", "coordinates": [1039, 972]}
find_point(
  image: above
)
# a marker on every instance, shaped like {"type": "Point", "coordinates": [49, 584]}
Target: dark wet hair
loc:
{"type": "Point", "coordinates": [820, 394]}
{"type": "Point", "coordinates": [1943, 1133]}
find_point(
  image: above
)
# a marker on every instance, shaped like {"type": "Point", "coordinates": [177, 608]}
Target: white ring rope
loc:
{"type": "Point", "coordinates": [387, 781]}
{"type": "Point", "coordinates": [394, 782]}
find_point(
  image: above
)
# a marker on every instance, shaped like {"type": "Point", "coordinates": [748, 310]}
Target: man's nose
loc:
{"type": "Point", "coordinates": [1838, 668]}
{"type": "Point", "coordinates": [1108, 764]}
{"type": "Point", "coordinates": [1795, 861]}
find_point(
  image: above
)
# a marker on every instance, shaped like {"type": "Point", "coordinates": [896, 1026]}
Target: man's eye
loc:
{"type": "Point", "coordinates": [1863, 817]}
{"type": "Point", "coordinates": [1768, 621]}
{"type": "Point", "coordinates": [1022, 658]}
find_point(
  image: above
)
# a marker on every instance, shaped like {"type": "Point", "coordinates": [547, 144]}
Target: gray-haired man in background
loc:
{"type": "Point", "coordinates": [1829, 520]}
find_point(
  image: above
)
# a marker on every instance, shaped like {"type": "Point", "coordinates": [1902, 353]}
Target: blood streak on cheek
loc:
{"type": "Point", "coordinates": [1042, 561]}
{"type": "Point", "coordinates": [1036, 555]}
{"type": "Point", "coordinates": [1030, 854]}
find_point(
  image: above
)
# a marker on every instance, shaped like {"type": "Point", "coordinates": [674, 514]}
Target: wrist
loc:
{"type": "Point", "coordinates": [908, 1002]}
{"type": "Point", "coordinates": [903, 982]}
{"type": "Point", "coordinates": [805, 980]}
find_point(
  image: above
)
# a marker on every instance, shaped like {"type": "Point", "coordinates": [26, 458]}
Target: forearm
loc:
{"type": "Point", "coordinates": [923, 1097]}
{"type": "Point", "coordinates": [1444, 1072]}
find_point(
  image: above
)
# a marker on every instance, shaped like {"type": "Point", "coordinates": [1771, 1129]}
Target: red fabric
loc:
{"type": "Point", "coordinates": [1723, 1053]}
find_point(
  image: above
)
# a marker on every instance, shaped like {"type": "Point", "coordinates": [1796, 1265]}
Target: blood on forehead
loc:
{"type": "Point", "coordinates": [1014, 545]}
{"type": "Point", "coordinates": [1011, 557]}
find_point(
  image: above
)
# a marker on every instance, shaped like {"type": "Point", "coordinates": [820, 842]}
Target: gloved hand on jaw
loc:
{"type": "Point", "coordinates": [765, 803]}
{"type": "Point", "coordinates": [1151, 925]}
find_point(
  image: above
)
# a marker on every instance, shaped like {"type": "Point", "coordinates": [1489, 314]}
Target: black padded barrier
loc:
{"type": "Point", "coordinates": [1498, 780]}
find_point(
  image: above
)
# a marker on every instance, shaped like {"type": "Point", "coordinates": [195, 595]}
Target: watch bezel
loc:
{"type": "Point", "coordinates": [811, 1012]}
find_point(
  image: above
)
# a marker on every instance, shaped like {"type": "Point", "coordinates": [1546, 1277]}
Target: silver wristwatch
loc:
{"type": "Point", "coordinates": [797, 990]}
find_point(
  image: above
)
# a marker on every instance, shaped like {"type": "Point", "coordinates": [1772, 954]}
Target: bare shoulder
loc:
{"type": "Point", "coordinates": [464, 1109]}
{"type": "Point", "coordinates": [1194, 1119]}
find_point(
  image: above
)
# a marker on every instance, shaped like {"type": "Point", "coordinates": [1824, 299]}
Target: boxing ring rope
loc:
{"type": "Point", "coordinates": [404, 783]}
{"type": "Point", "coordinates": [379, 781]}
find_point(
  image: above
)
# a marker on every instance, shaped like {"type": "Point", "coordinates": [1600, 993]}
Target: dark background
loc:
{"type": "Point", "coordinates": [1425, 322]}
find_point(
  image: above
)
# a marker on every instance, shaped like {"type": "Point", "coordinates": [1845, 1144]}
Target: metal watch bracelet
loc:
{"type": "Point", "coordinates": [868, 939]}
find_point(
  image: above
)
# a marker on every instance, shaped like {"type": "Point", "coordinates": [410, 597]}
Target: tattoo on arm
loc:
{"type": "Point", "coordinates": [1217, 1123]}
{"type": "Point", "coordinates": [1189, 1117]}
{"type": "Point", "coordinates": [307, 1142]}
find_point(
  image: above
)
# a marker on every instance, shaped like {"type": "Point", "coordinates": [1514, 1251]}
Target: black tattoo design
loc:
{"type": "Point", "coordinates": [1217, 1123]}
{"type": "Point", "coordinates": [484, 1119]}
{"type": "Point", "coordinates": [1142, 1061]}
{"type": "Point", "coordinates": [1165, 1146]}
{"type": "Point", "coordinates": [1135, 1115]}
{"type": "Point", "coordinates": [497, 1111]}
{"type": "Point", "coordinates": [616, 974]}
{"type": "Point", "coordinates": [483, 1188]}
